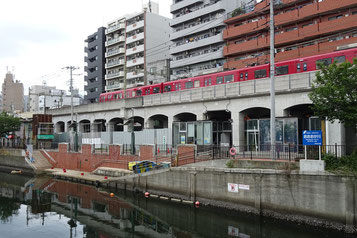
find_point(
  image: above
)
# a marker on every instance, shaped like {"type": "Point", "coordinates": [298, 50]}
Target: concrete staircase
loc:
{"type": "Point", "coordinates": [40, 163]}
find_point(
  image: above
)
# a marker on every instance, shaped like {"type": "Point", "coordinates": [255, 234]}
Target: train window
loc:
{"type": "Point", "coordinates": [147, 91]}
{"type": "Point", "coordinates": [246, 75]}
{"type": "Point", "coordinates": [207, 81]}
{"type": "Point", "coordinates": [138, 92]}
{"type": "Point", "coordinates": [120, 95]}
{"type": "Point", "coordinates": [197, 83]}
{"type": "Point", "coordinates": [219, 80]}
{"type": "Point", "coordinates": [325, 62]}
{"type": "Point", "coordinates": [156, 90]}
{"type": "Point", "coordinates": [133, 93]}
{"type": "Point", "coordinates": [339, 59]}
{"type": "Point", "coordinates": [228, 78]}
{"type": "Point", "coordinates": [262, 73]}
{"type": "Point", "coordinates": [115, 96]}
{"type": "Point", "coordinates": [167, 88]}
{"type": "Point", "coordinates": [298, 67]}
{"type": "Point", "coordinates": [305, 66]}
{"type": "Point", "coordinates": [282, 70]}
{"type": "Point", "coordinates": [110, 97]}
{"type": "Point", "coordinates": [189, 85]}
{"type": "Point", "coordinates": [178, 86]}
{"type": "Point", "coordinates": [241, 76]}
{"type": "Point", "coordinates": [127, 94]}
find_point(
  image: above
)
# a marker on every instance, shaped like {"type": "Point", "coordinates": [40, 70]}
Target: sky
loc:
{"type": "Point", "coordinates": [41, 37]}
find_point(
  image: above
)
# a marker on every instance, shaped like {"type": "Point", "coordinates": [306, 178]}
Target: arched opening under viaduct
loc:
{"type": "Point", "coordinates": [157, 122]}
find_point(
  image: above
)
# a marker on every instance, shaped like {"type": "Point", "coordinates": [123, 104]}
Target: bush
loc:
{"type": "Point", "coordinates": [345, 164]}
{"type": "Point", "coordinates": [230, 164]}
{"type": "Point", "coordinates": [331, 161]}
{"type": "Point", "coordinates": [238, 11]}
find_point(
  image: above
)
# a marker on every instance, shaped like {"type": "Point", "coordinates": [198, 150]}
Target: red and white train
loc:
{"type": "Point", "coordinates": [262, 71]}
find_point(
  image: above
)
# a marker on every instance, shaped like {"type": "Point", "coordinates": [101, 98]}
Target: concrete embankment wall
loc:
{"type": "Point", "coordinates": [14, 159]}
{"type": "Point", "coordinates": [317, 199]}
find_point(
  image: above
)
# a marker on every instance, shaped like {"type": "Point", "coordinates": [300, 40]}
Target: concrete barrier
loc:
{"type": "Point", "coordinates": [319, 199]}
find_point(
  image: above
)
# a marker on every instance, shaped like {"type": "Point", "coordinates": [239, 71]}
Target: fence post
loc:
{"type": "Point", "coordinates": [289, 152]}
{"type": "Point", "coordinates": [194, 155]}
{"type": "Point", "coordinates": [336, 150]}
{"type": "Point", "coordinates": [251, 154]}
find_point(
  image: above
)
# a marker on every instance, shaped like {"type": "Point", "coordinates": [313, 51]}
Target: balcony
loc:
{"type": "Point", "coordinates": [252, 45]}
{"type": "Point", "coordinates": [197, 59]}
{"type": "Point", "coordinates": [114, 28]}
{"type": "Point", "coordinates": [115, 40]}
{"type": "Point", "coordinates": [135, 62]}
{"type": "Point", "coordinates": [114, 75]}
{"type": "Point", "coordinates": [115, 52]}
{"type": "Point", "coordinates": [182, 4]}
{"type": "Point", "coordinates": [321, 48]}
{"type": "Point", "coordinates": [196, 44]}
{"type": "Point", "coordinates": [114, 86]}
{"type": "Point", "coordinates": [134, 38]}
{"type": "Point", "coordinates": [134, 74]}
{"type": "Point", "coordinates": [114, 63]}
{"type": "Point", "coordinates": [135, 50]}
{"type": "Point", "coordinates": [135, 26]}
{"type": "Point", "coordinates": [234, 32]}
{"type": "Point", "coordinates": [198, 13]}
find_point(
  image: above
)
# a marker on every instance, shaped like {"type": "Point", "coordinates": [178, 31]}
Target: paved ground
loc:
{"type": "Point", "coordinates": [219, 163]}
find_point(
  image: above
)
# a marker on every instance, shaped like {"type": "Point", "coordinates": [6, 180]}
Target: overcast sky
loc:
{"type": "Point", "coordinates": [40, 37]}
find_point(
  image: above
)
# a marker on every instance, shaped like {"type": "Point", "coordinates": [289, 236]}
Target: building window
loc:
{"type": "Point", "coordinates": [335, 17]}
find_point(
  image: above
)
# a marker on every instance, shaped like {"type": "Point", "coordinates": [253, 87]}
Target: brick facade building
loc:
{"type": "Point", "coordinates": [302, 28]}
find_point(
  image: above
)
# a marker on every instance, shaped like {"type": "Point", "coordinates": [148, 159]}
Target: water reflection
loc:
{"type": "Point", "coordinates": [44, 207]}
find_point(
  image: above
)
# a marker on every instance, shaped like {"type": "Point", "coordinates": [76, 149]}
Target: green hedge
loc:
{"type": "Point", "coordinates": [345, 164]}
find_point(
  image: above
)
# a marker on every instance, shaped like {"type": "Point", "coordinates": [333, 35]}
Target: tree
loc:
{"type": "Point", "coordinates": [334, 93]}
{"type": "Point", "coordinates": [8, 124]}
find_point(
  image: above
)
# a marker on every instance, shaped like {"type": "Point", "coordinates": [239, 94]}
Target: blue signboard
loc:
{"type": "Point", "coordinates": [312, 137]}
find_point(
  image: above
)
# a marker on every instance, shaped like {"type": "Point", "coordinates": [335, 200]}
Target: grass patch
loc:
{"type": "Point", "coordinates": [346, 165]}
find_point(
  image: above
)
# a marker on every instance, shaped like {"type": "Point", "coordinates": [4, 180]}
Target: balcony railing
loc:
{"type": "Point", "coordinates": [135, 26]}
{"type": "Point", "coordinates": [114, 86]}
{"type": "Point", "coordinates": [114, 63]}
{"type": "Point", "coordinates": [115, 40]}
{"type": "Point", "coordinates": [114, 75]}
{"type": "Point", "coordinates": [134, 38]}
{"type": "Point", "coordinates": [114, 28]}
{"type": "Point", "coordinates": [115, 52]}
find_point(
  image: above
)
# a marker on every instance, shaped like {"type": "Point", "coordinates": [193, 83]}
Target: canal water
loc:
{"type": "Point", "coordinates": [44, 207]}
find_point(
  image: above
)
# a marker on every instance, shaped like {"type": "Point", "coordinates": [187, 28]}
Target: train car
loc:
{"type": "Point", "coordinates": [256, 72]}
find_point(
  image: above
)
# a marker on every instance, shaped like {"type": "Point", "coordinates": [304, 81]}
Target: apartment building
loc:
{"type": "Point", "coordinates": [302, 28]}
{"type": "Point", "coordinates": [94, 83]}
{"type": "Point", "coordinates": [12, 94]}
{"type": "Point", "coordinates": [133, 44]}
{"type": "Point", "coordinates": [196, 41]}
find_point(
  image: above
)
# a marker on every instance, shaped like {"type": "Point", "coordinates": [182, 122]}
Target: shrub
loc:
{"type": "Point", "coordinates": [230, 164]}
{"type": "Point", "coordinates": [238, 11]}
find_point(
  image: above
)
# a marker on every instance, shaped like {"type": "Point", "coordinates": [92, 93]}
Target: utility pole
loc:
{"type": "Point", "coordinates": [71, 69]}
{"type": "Point", "coordinates": [272, 81]}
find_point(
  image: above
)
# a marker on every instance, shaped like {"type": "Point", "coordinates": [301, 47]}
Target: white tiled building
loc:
{"type": "Point", "coordinates": [197, 42]}
{"type": "Point", "coordinates": [132, 43]}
